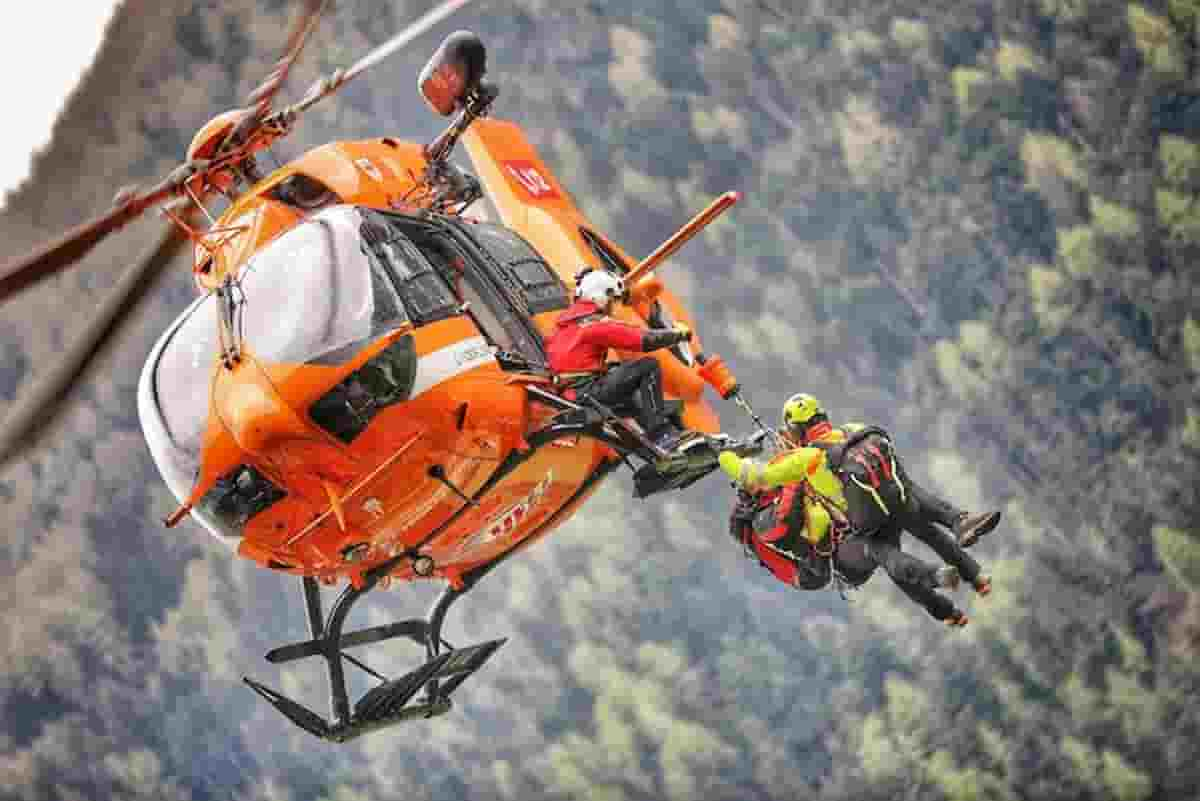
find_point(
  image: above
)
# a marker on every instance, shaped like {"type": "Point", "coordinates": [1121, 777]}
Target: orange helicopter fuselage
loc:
{"type": "Point", "coordinates": [344, 504]}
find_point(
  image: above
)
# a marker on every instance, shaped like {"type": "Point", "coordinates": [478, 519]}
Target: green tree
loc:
{"type": "Point", "coordinates": [1180, 555]}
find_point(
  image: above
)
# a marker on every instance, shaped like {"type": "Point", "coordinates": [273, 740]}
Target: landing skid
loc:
{"type": "Point", "coordinates": [392, 701]}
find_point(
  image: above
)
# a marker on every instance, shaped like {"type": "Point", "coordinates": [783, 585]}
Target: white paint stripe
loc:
{"type": "Point", "coordinates": [450, 361]}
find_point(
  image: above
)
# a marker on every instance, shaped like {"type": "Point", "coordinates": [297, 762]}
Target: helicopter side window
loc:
{"type": "Point", "coordinates": [496, 298]}
{"type": "Point", "coordinates": [483, 308]}
{"type": "Point", "coordinates": [521, 265]}
{"type": "Point", "coordinates": [425, 295]}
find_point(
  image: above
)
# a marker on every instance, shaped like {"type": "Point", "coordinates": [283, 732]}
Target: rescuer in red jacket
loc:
{"type": "Point", "coordinates": [580, 343]}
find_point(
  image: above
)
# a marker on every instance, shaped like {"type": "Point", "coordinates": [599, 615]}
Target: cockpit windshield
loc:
{"type": "Point", "coordinates": [313, 294]}
{"type": "Point", "coordinates": [317, 294]}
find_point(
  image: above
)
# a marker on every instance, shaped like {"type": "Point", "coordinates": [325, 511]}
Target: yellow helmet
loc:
{"type": "Point", "coordinates": [801, 411]}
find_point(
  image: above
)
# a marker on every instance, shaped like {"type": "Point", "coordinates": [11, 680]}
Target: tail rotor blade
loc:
{"type": "Point", "coordinates": [36, 406]}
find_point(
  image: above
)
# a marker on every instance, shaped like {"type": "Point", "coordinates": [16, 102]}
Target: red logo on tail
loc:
{"type": "Point", "coordinates": [527, 174]}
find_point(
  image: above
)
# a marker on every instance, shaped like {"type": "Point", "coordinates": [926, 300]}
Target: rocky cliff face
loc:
{"type": "Point", "coordinates": [972, 223]}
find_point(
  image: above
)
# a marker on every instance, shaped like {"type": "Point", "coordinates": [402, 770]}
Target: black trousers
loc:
{"type": "Point", "coordinates": [858, 557]}
{"type": "Point", "coordinates": [633, 386]}
{"type": "Point", "coordinates": [921, 514]}
{"type": "Point", "coordinates": [906, 505]}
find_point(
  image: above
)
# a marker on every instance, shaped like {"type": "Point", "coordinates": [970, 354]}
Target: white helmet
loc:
{"type": "Point", "coordinates": [600, 287]}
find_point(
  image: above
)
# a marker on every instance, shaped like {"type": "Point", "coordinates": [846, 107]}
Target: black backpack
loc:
{"type": "Point", "coordinates": [871, 475]}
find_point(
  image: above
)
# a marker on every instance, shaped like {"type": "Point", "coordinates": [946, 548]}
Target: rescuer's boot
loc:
{"type": "Point", "coordinates": [957, 619]}
{"type": "Point", "coordinates": [969, 528]}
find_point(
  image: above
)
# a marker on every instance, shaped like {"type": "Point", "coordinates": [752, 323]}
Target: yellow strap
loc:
{"type": "Point", "coordinates": [874, 494]}
{"type": "Point", "coordinates": [896, 475]}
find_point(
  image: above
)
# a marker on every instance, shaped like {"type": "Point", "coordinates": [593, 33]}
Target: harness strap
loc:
{"type": "Point", "coordinates": [835, 452]}
{"type": "Point", "coordinates": [873, 493]}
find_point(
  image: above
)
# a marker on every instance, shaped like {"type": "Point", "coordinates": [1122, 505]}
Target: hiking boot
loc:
{"type": "Point", "coordinates": [982, 584]}
{"type": "Point", "coordinates": [969, 528]}
{"type": "Point", "coordinates": [957, 619]}
{"type": "Point", "coordinates": [947, 577]}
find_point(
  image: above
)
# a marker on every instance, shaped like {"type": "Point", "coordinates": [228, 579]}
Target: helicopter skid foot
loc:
{"type": "Point", "coordinates": [392, 701]}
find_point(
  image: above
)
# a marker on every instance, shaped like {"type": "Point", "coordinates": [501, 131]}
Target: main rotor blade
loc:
{"type": "Point", "coordinates": [431, 18]}
{"type": "Point", "coordinates": [330, 84]}
{"type": "Point", "coordinates": [38, 404]}
{"type": "Point", "coordinates": [310, 15]}
{"type": "Point", "coordinates": [79, 241]}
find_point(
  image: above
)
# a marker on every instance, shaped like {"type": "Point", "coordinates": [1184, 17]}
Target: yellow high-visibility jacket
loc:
{"type": "Point", "coordinates": [806, 463]}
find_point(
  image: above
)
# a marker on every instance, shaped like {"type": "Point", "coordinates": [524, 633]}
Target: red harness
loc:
{"type": "Point", "coordinates": [784, 500]}
{"type": "Point", "coordinates": [781, 563]}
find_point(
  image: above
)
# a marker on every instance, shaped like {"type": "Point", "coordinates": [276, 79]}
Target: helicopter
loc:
{"type": "Point", "coordinates": [360, 395]}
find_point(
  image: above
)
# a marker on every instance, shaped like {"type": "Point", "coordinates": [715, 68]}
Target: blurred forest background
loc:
{"type": "Point", "coordinates": [974, 223]}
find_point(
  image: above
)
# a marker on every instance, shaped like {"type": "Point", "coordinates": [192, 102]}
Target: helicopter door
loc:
{"type": "Point", "coordinates": [492, 302]}
{"type": "Point", "coordinates": [522, 268]}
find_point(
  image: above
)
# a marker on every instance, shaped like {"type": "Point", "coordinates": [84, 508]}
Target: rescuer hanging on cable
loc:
{"type": "Point", "coordinates": [849, 481]}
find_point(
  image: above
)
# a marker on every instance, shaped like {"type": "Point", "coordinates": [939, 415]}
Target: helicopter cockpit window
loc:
{"type": "Point", "coordinates": [525, 269]}
{"type": "Point", "coordinates": [173, 407]}
{"type": "Point", "coordinates": [490, 298]}
{"type": "Point", "coordinates": [174, 392]}
{"type": "Point", "coordinates": [303, 192]}
{"type": "Point", "coordinates": [312, 295]}
{"type": "Point", "coordinates": [426, 296]}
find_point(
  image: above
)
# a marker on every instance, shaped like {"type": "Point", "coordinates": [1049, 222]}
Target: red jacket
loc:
{"type": "Point", "coordinates": [583, 336]}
